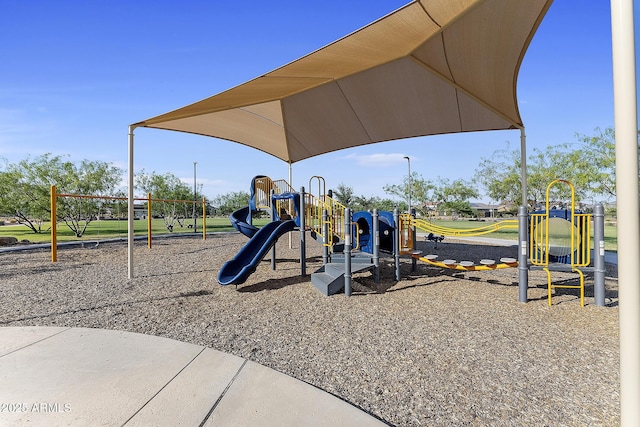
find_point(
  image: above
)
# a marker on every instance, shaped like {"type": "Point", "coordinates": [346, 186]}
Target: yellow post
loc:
{"type": "Point", "coordinates": [149, 216]}
{"type": "Point", "coordinates": [204, 218]}
{"type": "Point", "coordinates": [54, 231]}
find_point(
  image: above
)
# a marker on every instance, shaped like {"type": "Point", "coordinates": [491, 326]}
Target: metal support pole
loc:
{"type": "Point", "coordinates": [273, 217]}
{"type": "Point", "coordinates": [598, 256]}
{"type": "Point", "coordinates": [408, 184]}
{"type": "Point", "coordinates": [204, 218]}
{"type": "Point", "coordinates": [376, 245]}
{"type": "Point", "coordinates": [523, 167]}
{"type": "Point", "coordinates": [347, 252]}
{"type": "Point", "coordinates": [626, 135]}
{"type": "Point", "coordinates": [414, 241]}
{"type": "Point", "coordinates": [149, 222]}
{"type": "Point", "coordinates": [194, 197]}
{"type": "Point", "coordinates": [396, 242]}
{"type": "Point", "coordinates": [325, 237]}
{"type": "Point", "coordinates": [523, 256]}
{"type": "Point", "coordinates": [303, 233]}
{"type": "Point", "coordinates": [291, 186]}
{"type": "Point", "coordinates": [54, 225]}
{"type": "Point", "coordinates": [130, 212]}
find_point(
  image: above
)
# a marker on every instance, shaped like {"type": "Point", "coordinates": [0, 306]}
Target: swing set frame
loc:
{"type": "Point", "coordinates": [150, 200]}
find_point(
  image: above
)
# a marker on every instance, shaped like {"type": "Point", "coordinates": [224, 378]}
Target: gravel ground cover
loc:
{"type": "Point", "coordinates": [439, 348]}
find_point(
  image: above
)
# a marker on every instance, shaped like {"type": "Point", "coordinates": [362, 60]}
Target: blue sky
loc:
{"type": "Point", "coordinates": [74, 76]}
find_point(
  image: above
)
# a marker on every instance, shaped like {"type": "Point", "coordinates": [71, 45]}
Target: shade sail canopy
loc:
{"type": "Point", "coordinates": [431, 67]}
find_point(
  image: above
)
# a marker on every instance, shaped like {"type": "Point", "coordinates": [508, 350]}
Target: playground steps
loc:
{"type": "Point", "coordinates": [329, 279]}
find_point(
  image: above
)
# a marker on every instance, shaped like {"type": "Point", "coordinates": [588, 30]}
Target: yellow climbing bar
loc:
{"type": "Point", "coordinates": [579, 238]}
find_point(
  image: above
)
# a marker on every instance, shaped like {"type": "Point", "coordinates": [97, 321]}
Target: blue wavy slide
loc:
{"type": "Point", "coordinates": [241, 221]}
{"type": "Point", "coordinates": [237, 270]}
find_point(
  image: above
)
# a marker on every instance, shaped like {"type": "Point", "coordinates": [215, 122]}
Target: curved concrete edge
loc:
{"type": "Point", "coordinates": [79, 376]}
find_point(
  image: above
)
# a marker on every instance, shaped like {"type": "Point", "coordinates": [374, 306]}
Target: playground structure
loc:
{"type": "Point", "coordinates": [560, 240]}
{"type": "Point", "coordinates": [354, 242]}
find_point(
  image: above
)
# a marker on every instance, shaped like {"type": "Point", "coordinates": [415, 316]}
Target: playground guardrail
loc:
{"type": "Point", "coordinates": [334, 222]}
{"type": "Point", "coordinates": [263, 187]}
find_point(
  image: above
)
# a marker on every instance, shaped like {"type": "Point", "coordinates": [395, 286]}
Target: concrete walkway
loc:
{"type": "Point", "coordinates": [58, 376]}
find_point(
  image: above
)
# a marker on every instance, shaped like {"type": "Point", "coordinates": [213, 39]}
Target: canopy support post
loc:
{"type": "Point", "coordinates": [523, 167]}
{"type": "Point", "coordinates": [290, 185]}
{"type": "Point", "coordinates": [303, 234]}
{"type": "Point", "coordinates": [523, 256]}
{"type": "Point", "coordinates": [130, 210]}
{"type": "Point", "coordinates": [628, 206]}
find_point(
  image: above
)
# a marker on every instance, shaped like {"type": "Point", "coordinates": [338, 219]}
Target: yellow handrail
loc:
{"type": "Point", "coordinates": [464, 232]}
{"type": "Point", "coordinates": [537, 239]}
{"type": "Point", "coordinates": [336, 216]}
{"type": "Point", "coordinates": [315, 206]}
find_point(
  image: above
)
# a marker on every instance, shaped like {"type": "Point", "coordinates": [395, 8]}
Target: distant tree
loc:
{"type": "Point", "coordinates": [422, 191]}
{"type": "Point", "coordinates": [387, 205]}
{"type": "Point", "coordinates": [26, 186]}
{"type": "Point", "coordinates": [25, 197]}
{"type": "Point", "coordinates": [588, 164]}
{"type": "Point", "coordinates": [500, 175]}
{"type": "Point", "coordinates": [543, 167]}
{"type": "Point", "coordinates": [93, 178]}
{"type": "Point", "coordinates": [167, 187]}
{"type": "Point", "coordinates": [344, 194]}
{"type": "Point", "coordinates": [594, 163]}
{"type": "Point", "coordinates": [364, 203]}
{"type": "Point", "coordinates": [454, 195]}
{"type": "Point", "coordinates": [230, 202]}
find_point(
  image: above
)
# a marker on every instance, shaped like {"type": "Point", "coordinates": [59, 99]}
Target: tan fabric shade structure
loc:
{"type": "Point", "coordinates": [431, 67]}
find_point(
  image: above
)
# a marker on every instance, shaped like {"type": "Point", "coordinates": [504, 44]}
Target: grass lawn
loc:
{"type": "Point", "coordinates": [106, 229]}
{"type": "Point", "coordinates": [118, 228]}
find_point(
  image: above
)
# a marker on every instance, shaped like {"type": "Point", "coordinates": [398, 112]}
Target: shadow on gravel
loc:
{"type": "Point", "coordinates": [399, 287]}
{"type": "Point", "coordinates": [175, 273]}
{"type": "Point", "coordinates": [10, 272]}
{"type": "Point", "coordinates": [573, 294]}
{"type": "Point", "coordinates": [190, 294]}
{"type": "Point", "coordinates": [273, 284]}
{"type": "Point", "coordinates": [499, 283]}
